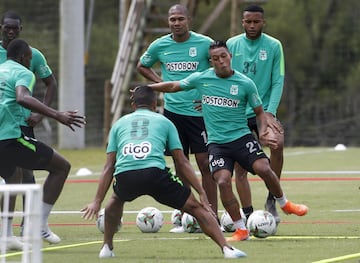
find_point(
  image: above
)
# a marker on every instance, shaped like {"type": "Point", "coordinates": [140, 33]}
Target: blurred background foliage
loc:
{"type": "Point", "coordinates": [321, 42]}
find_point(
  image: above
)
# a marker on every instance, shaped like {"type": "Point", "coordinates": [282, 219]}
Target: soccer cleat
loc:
{"type": "Point", "coordinates": [177, 229]}
{"type": "Point", "coordinates": [297, 209]}
{"type": "Point", "coordinates": [13, 243]}
{"type": "Point", "coordinates": [239, 235]}
{"type": "Point", "coordinates": [50, 237]}
{"type": "Point", "coordinates": [270, 206]}
{"type": "Point", "coordinates": [106, 252]}
{"type": "Point", "coordinates": [231, 252]}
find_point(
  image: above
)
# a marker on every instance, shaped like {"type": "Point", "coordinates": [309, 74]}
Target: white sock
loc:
{"type": "Point", "coordinates": [46, 209]}
{"type": "Point", "coordinates": [9, 230]}
{"type": "Point", "coordinates": [239, 224]}
{"type": "Point", "coordinates": [281, 200]}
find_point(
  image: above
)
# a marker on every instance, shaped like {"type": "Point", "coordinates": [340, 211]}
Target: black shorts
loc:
{"type": "Point", "coordinates": [191, 131]}
{"type": "Point", "coordinates": [245, 151]}
{"type": "Point", "coordinates": [24, 152]}
{"type": "Point", "coordinates": [162, 185]}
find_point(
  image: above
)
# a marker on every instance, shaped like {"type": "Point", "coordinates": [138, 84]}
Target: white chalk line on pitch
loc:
{"type": "Point", "coordinates": [337, 259]}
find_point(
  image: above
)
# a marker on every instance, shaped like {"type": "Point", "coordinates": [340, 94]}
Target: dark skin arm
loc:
{"type": "Point", "coordinates": [92, 209]}
{"type": "Point", "coordinates": [68, 118]}
{"type": "Point", "coordinates": [148, 73]}
{"type": "Point", "coordinates": [51, 87]}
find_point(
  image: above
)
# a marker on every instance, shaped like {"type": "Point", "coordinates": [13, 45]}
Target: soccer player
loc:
{"type": "Point", "coordinates": [135, 159]}
{"type": "Point", "coordinates": [11, 26]}
{"type": "Point", "coordinates": [180, 53]}
{"type": "Point", "coordinates": [260, 57]}
{"type": "Point", "coordinates": [19, 150]}
{"type": "Point", "coordinates": [225, 94]}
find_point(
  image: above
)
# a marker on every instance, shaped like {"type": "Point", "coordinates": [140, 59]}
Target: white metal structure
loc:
{"type": "Point", "coordinates": [32, 221]}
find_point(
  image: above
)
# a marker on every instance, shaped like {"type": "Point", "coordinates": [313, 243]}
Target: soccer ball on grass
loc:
{"type": "Point", "coordinates": [261, 224]}
{"type": "Point", "coordinates": [190, 224]}
{"type": "Point", "coordinates": [149, 220]}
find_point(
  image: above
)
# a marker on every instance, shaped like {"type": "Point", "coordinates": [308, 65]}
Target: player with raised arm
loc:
{"type": "Point", "coordinates": [225, 94]}
{"type": "Point", "coordinates": [11, 26]}
{"type": "Point", "coordinates": [19, 150]}
{"type": "Point", "coordinates": [135, 159]}
{"type": "Point", "coordinates": [181, 53]}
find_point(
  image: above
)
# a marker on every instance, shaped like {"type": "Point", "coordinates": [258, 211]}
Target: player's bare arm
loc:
{"type": "Point", "coordinates": [148, 73]}
{"type": "Point", "coordinates": [68, 118]}
{"type": "Point", "coordinates": [167, 86]}
{"type": "Point", "coordinates": [92, 209]}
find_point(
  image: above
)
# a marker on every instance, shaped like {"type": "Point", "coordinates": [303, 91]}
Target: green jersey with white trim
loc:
{"type": "Point", "coordinates": [12, 114]}
{"type": "Point", "coordinates": [177, 61]}
{"type": "Point", "coordinates": [224, 103]}
{"type": "Point", "coordinates": [140, 139]}
{"type": "Point", "coordinates": [262, 60]}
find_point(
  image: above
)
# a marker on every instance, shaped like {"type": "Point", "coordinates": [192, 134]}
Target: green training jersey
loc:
{"type": "Point", "coordinates": [262, 60]}
{"type": "Point", "coordinates": [224, 103]}
{"type": "Point", "coordinates": [140, 139]}
{"type": "Point", "coordinates": [12, 114]}
{"type": "Point", "coordinates": [178, 60]}
{"type": "Point", "coordinates": [38, 64]}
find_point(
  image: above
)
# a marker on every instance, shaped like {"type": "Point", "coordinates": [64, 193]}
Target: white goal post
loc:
{"type": "Point", "coordinates": [32, 221]}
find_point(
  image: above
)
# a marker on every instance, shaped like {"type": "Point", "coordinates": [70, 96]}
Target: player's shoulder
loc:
{"type": "Point", "coordinates": [270, 39]}
{"type": "Point", "coordinates": [36, 53]}
{"type": "Point", "coordinates": [235, 38]}
{"type": "Point", "coordinates": [201, 37]}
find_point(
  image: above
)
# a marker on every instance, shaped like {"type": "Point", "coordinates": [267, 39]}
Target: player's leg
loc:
{"type": "Point", "coordinates": [262, 167]}
{"type": "Point", "coordinates": [231, 204]}
{"type": "Point", "coordinates": [210, 227]}
{"type": "Point", "coordinates": [195, 132]}
{"type": "Point", "coordinates": [113, 214]}
{"type": "Point", "coordinates": [208, 182]}
{"type": "Point", "coordinates": [276, 164]}
{"type": "Point", "coordinates": [243, 189]}
{"type": "Point", "coordinates": [58, 168]}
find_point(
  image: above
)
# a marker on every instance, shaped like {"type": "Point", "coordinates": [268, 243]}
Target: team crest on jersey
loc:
{"type": "Point", "coordinates": [234, 90]}
{"type": "Point", "coordinates": [192, 52]}
{"type": "Point", "coordinates": [263, 55]}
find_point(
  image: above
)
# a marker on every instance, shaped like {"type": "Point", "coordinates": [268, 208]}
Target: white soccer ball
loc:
{"type": "Point", "coordinates": [227, 223]}
{"type": "Point", "coordinates": [176, 217]}
{"type": "Point", "coordinates": [261, 224]}
{"type": "Point", "coordinates": [149, 220]}
{"type": "Point", "coordinates": [100, 221]}
{"type": "Point", "coordinates": [190, 224]}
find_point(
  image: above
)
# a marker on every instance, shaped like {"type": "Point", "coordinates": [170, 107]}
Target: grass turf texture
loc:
{"type": "Point", "coordinates": [325, 180]}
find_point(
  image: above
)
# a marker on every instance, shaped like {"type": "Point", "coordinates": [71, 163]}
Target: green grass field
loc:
{"type": "Point", "coordinates": [326, 180]}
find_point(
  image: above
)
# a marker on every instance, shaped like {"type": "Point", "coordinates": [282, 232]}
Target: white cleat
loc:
{"type": "Point", "coordinates": [50, 237]}
{"type": "Point", "coordinates": [177, 229]}
{"type": "Point", "coordinates": [231, 252]}
{"type": "Point", "coordinates": [14, 243]}
{"type": "Point", "coordinates": [105, 252]}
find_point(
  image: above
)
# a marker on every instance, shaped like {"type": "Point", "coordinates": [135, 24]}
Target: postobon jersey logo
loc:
{"type": "Point", "coordinates": [138, 151]}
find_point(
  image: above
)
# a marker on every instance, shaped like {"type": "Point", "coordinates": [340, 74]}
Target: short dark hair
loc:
{"type": "Point", "coordinates": [143, 96]}
{"type": "Point", "coordinates": [217, 44]}
{"type": "Point", "coordinates": [16, 48]}
{"type": "Point", "coordinates": [254, 8]}
{"type": "Point", "coordinates": [12, 15]}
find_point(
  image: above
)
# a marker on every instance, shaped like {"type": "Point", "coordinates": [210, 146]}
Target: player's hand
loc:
{"type": "Point", "coordinates": [273, 123]}
{"type": "Point", "coordinates": [90, 211]}
{"type": "Point", "coordinates": [197, 105]}
{"type": "Point", "coordinates": [71, 118]}
{"type": "Point", "coordinates": [34, 119]}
